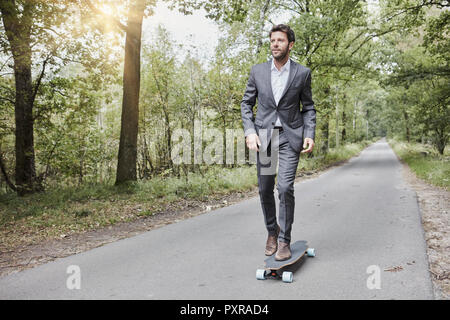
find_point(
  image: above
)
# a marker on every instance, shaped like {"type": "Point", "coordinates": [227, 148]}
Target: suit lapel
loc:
{"type": "Point", "coordinates": [292, 73]}
{"type": "Point", "coordinates": [269, 82]}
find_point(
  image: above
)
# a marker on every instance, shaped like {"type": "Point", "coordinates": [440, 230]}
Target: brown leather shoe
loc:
{"type": "Point", "coordinates": [284, 251]}
{"type": "Point", "coordinates": [272, 243]}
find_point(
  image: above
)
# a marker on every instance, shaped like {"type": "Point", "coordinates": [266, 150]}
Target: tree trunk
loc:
{"type": "Point", "coordinates": [344, 132]}
{"type": "Point", "coordinates": [5, 174]}
{"type": "Point", "coordinates": [326, 133]}
{"type": "Point", "coordinates": [25, 165]}
{"type": "Point", "coordinates": [262, 20]}
{"type": "Point", "coordinates": [167, 155]}
{"type": "Point", "coordinates": [337, 124]}
{"type": "Point", "coordinates": [440, 140]}
{"type": "Point", "coordinates": [408, 136]}
{"type": "Point", "coordinates": [18, 32]}
{"type": "Point", "coordinates": [126, 165]}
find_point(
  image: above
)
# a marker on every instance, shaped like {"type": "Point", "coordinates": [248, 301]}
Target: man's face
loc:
{"type": "Point", "coordinates": [279, 45]}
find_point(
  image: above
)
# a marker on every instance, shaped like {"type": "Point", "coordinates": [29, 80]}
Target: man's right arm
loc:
{"type": "Point", "coordinates": [247, 105]}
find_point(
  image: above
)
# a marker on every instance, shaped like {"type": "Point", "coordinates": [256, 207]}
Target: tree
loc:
{"type": "Point", "coordinates": [126, 164]}
{"type": "Point", "coordinates": [28, 24]}
{"type": "Point", "coordinates": [136, 10]}
{"type": "Point", "coordinates": [421, 69]}
{"type": "Point", "coordinates": [159, 94]}
{"type": "Point", "coordinates": [41, 37]}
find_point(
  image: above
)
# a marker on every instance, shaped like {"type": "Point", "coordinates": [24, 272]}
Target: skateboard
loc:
{"type": "Point", "coordinates": [274, 269]}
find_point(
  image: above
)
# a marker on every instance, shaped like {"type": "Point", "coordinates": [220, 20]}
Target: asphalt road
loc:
{"type": "Point", "coordinates": [361, 218]}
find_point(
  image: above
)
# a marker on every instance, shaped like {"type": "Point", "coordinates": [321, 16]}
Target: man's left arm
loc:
{"type": "Point", "coordinates": [308, 113]}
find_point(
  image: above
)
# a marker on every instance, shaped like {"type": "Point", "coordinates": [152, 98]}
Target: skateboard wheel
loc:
{"type": "Point", "coordinates": [311, 252]}
{"type": "Point", "coordinates": [261, 274]}
{"type": "Point", "coordinates": [288, 277]}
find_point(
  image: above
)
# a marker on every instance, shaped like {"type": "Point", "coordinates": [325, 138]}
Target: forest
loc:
{"type": "Point", "coordinates": [83, 101]}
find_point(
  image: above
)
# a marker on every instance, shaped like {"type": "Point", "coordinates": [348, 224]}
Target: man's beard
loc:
{"type": "Point", "coordinates": [281, 55]}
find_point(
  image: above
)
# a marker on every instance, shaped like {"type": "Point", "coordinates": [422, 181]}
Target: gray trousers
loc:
{"type": "Point", "coordinates": [279, 150]}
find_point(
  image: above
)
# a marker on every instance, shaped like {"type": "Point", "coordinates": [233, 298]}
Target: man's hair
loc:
{"type": "Point", "coordinates": [286, 29]}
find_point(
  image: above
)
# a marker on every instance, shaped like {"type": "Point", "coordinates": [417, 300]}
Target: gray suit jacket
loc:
{"type": "Point", "coordinates": [296, 124]}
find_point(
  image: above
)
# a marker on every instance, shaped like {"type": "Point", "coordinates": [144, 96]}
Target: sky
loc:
{"type": "Point", "coordinates": [191, 30]}
{"type": "Point", "coordinates": [195, 30]}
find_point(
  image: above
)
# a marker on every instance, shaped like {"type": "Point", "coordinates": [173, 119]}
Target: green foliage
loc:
{"type": "Point", "coordinates": [437, 33]}
{"type": "Point", "coordinates": [376, 70]}
{"type": "Point", "coordinates": [420, 71]}
{"type": "Point", "coordinates": [228, 11]}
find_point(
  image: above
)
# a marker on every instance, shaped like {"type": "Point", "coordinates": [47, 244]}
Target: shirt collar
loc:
{"type": "Point", "coordinates": [286, 66]}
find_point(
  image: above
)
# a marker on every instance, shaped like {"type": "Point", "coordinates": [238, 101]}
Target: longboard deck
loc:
{"type": "Point", "coordinates": [298, 250]}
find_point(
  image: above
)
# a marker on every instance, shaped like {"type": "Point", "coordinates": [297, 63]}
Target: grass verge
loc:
{"type": "Point", "coordinates": [424, 161]}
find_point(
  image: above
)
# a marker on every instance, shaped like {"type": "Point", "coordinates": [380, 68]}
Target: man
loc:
{"type": "Point", "coordinates": [279, 132]}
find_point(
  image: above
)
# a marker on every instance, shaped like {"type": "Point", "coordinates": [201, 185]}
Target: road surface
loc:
{"type": "Point", "coordinates": [362, 219]}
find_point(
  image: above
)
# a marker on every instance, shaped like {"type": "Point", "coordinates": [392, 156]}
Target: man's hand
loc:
{"type": "Point", "coordinates": [308, 145]}
{"type": "Point", "coordinates": [253, 142]}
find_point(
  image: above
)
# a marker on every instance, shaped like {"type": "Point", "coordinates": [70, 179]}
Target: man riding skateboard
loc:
{"type": "Point", "coordinates": [279, 132]}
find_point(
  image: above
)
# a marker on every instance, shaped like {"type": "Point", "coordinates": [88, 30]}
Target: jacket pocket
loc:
{"type": "Point", "coordinates": [258, 123]}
